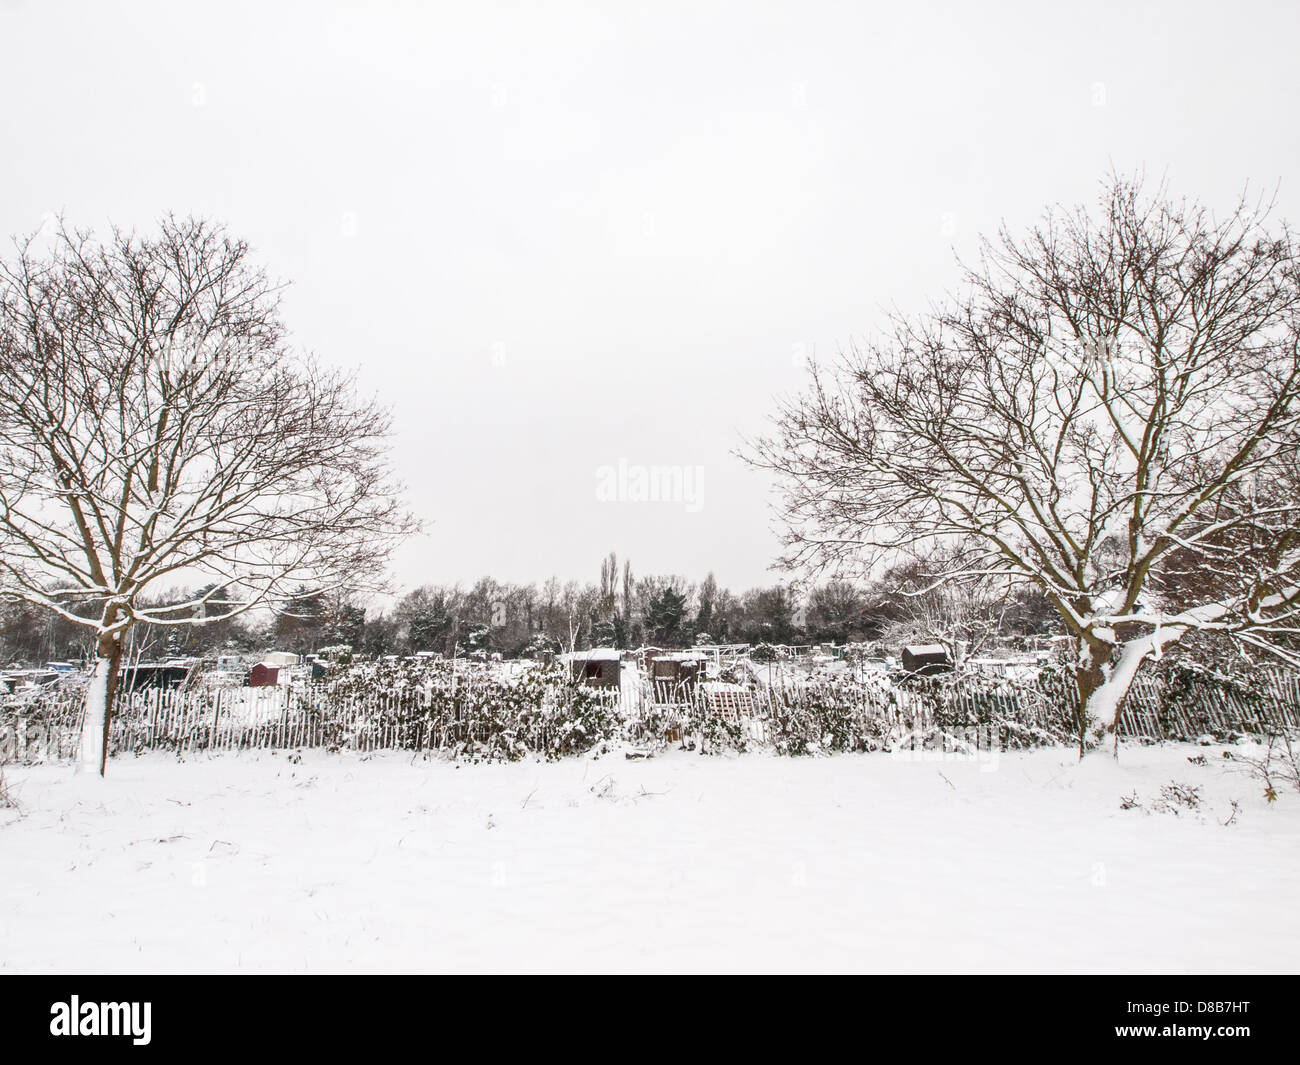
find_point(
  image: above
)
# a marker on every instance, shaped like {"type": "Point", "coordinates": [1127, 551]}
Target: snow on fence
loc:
{"type": "Point", "coordinates": [979, 711]}
{"type": "Point", "coordinates": [1156, 710]}
{"type": "Point", "coordinates": [967, 710]}
{"type": "Point", "coordinates": [497, 721]}
{"type": "Point", "coordinates": [219, 719]}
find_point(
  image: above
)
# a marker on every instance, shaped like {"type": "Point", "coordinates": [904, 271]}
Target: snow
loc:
{"type": "Point", "coordinates": [595, 654]}
{"type": "Point", "coordinates": [629, 683]}
{"type": "Point", "coordinates": [895, 863]}
{"type": "Point", "coordinates": [91, 751]}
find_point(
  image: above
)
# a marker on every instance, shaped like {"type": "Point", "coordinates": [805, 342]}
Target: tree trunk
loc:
{"type": "Point", "coordinates": [1090, 676]}
{"type": "Point", "coordinates": [101, 696]}
{"type": "Point", "coordinates": [1102, 685]}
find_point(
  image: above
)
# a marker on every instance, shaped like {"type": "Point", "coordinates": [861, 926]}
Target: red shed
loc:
{"type": "Point", "coordinates": [264, 676]}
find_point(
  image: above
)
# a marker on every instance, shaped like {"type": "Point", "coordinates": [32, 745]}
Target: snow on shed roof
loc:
{"type": "Point", "coordinates": [596, 654]}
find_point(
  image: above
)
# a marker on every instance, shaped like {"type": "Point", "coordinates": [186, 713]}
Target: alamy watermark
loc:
{"type": "Point", "coordinates": [75, 1017]}
{"type": "Point", "coordinates": [959, 744]}
{"type": "Point", "coordinates": [627, 482]}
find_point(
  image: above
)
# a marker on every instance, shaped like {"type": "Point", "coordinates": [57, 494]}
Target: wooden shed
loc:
{"type": "Point", "coordinates": [673, 677]}
{"type": "Point", "coordinates": [264, 676]}
{"type": "Point", "coordinates": [598, 668]}
{"type": "Point", "coordinates": [145, 675]}
{"type": "Point", "coordinates": [926, 659]}
{"type": "Point", "coordinates": [675, 668]}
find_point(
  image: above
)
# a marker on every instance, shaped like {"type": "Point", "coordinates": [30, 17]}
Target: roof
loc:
{"type": "Point", "coordinates": [922, 649]}
{"type": "Point", "coordinates": [596, 654]}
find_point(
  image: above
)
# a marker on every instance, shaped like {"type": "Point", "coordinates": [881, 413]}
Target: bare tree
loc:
{"type": "Point", "coordinates": [156, 428]}
{"type": "Point", "coordinates": [838, 610]}
{"type": "Point", "coordinates": [1108, 403]}
{"type": "Point", "coordinates": [963, 615]}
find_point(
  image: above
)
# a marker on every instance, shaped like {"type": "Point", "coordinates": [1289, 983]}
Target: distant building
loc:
{"type": "Point", "coordinates": [264, 676]}
{"type": "Point", "coordinates": [146, 675]}
{"type": "Point", "coordinates": [926, 659]}
{"type": "Point", "coordinates": [1017, 668]}
{"type": "Point", "coordinates": [598, 668]}
{"type": "Point", "coordinates": [27, 682]}
{"type": "Point", "coordinates": [673, 676]}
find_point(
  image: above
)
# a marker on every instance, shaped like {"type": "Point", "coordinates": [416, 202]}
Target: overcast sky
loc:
{"type": "Point", "coordinates": [558, 237]}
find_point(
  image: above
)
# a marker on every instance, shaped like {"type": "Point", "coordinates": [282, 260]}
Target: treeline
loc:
{"type": "Point", "coordinates": [619, 609]}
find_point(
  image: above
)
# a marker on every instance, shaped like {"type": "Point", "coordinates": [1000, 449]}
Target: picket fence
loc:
{"type": "Point", "coordinates": [990, 714]}
{"type": "Point", "coordinates": [1273, 704]}
{"type": "Point", "coordinates": [986, 713]}
{"type": "Point", "coordinates": [185, 721]}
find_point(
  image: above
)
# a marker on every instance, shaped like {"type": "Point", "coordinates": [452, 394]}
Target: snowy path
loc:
{"type": "Point", "coordinates": [859, 863]}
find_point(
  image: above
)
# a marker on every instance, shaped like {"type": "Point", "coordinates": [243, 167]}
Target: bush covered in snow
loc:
{"type": "Point", "coordinates": [469, 711]}
{"type": "Point", "coordinates": [846, 714]}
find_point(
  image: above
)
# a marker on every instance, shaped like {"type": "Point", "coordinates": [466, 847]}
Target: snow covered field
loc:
{"type": "Point", "coordinates": [253, 863]}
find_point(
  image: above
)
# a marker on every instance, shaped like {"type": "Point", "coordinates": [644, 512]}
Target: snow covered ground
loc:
{"type": "Point", "coordinates": [253, 863]}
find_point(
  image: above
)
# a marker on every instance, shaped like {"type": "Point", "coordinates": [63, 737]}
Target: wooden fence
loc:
{"type": "Point", "coordinates": [985, 712]}
{"type": "Point", "coordinates": [992, 711]}
{"type": "Point", "coordinates": [185, 721]}
{"type": "Point", "coordinates": [1271, 702]}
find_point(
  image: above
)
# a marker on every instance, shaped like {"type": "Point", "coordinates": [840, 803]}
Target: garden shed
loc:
{"type": "Point", "coordinates": [598, 668]}
{"type": "Point", "coordinates": [264, 676]}
{"type": "Point", "coordinates": [926, 659]}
